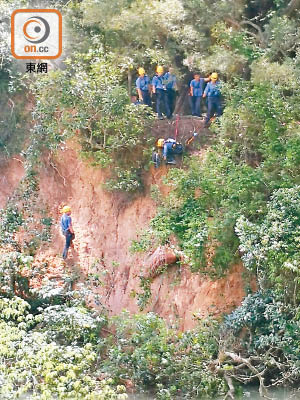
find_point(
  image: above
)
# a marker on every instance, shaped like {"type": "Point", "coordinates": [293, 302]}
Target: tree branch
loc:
{"type": "Point", "coordinates": [291, 7]}
{"type": "Point", "coordinates": [12, 105]}
{"type": "Point", "coordinates": [260, 35]}
{"type": "Point", "coordinates": [257, 374]}
{"type": "Point", "coordinates": [230, 393]}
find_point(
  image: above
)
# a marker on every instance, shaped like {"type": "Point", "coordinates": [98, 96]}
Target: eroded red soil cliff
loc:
{"type": "Point", "coordinates": [105, 225]}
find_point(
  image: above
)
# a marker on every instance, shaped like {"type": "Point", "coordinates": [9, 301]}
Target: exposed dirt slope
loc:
{"type": "Point", "coordinates": [105, 224]}
{"type": "Point", "coordinates": [11, 172]}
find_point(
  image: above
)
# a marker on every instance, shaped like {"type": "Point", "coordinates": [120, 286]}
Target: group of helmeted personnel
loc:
{"type": "Point", "coordinates": [163, 86]}
{"type": "Point", "coordinates": [208, 88]}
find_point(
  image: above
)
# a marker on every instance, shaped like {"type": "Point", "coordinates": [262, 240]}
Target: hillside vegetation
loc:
{"type": "Point", "coordinates": [239, 201]}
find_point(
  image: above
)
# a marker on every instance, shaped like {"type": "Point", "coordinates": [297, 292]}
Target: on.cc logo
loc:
{"type": "Point", "coordinates": [36, 33]}
{"type": "Point", "coordinates": [36, 30]}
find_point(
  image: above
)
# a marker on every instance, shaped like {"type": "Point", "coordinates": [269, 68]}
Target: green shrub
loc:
{"type": "Point", "coordinates": [47, 370]}
{"type": "Point", "coordinates": [157, 358]}
{"type": "Point", "coordinates": [93, 105]}
{"type": "Point", "coordinates": [12, 281]}
{"type": "Point", "coordinates": [271, 248]}
{"type": "Point", "coordinates": [264, 330]}
{"type": "Point", "coordinates": [126, 181]}
{"type": "Point", "coordinates": [33, 361]}
{"type": "Point", "coordinates": [203, 206]}
{"type": "Point", "coordinates": [51, 353]}
{"type": "Point", "coordinates": [10, 221]}
{"type": "Point", "coordinates": [14, 127]}
{"type": "Point", "coordinates": [71, 324]}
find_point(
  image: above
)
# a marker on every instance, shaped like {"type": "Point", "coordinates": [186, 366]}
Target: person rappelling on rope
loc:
{"type": "Point", "coordinates": [67, 229]}
{"type": "Point", "coordinates": [167, 149]}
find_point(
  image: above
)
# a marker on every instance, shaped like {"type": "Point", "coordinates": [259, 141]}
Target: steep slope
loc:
{"type": "Point", "coordinates": [105, 225]}
{"type": "Point", "coordinates": [11, 173]}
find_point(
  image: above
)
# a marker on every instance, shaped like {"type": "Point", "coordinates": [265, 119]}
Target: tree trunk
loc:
{"type": "Point", "coordinates": [291, 7]}
{"type": "Point", "coordinates": [129, 82]}
{"type": "Point", "coordinates": [181, 101]}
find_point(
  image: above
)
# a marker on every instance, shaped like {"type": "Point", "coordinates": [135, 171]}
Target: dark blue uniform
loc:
{"type": "Point", "coordinates": [143, 83]}
{"type": "Point", "coordinates": [198, 88]}
{"type": "Point", "coordinates": [66, 222]}
{"type": "Point", "coordinates": [170, 80]}
{"type": "Point", "coordinates": [161, 95]}
{"type": "Point", "coordinates": [168, 151]}
{"type": "Point", "coordinates": [213, 93]}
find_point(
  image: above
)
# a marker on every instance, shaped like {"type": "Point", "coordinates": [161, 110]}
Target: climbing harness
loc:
{"type": "Point", "coordinates": [157, 154]}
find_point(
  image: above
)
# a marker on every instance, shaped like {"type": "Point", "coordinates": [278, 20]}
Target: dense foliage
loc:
{"type": "Point", "coordinates": [264, 331]}
{"type": "Point", "coordinates": [255, 151]}
{"type": "Point", "coordinates": [235, 201]}
{"type": "Point", "coordinates": [153, 356]}
{"type": "Point", "coordinates": [93, 105]}
{"type": "Point", "coordinates": [32, 363]}
{"type": "Point", "coordinates": [271, 248]}
{"type": "Point", "coordinates": [25, 213]}
{"type": "Point", "coordinates": [48, 339]}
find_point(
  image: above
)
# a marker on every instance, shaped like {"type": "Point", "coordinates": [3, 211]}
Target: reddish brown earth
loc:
{"type": "Point", "coordinates": [105, 225]}
{"type": "Point", "coordinates": [11, 172]}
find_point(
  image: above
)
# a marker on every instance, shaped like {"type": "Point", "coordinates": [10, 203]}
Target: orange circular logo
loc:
{"type": "Point", "coordinates": [36, 30]}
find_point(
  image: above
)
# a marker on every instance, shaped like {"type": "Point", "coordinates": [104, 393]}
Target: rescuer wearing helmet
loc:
{"type": "Point", "coordinates": [213, 94]}
{"type": "Point", "coordinates": [67, 229]}
{"type": "Point", "coordinates": [159, 88]}
{"type": "Point", "coordinates": [143, 87]}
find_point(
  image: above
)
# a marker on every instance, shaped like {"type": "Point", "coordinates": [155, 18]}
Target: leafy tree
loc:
{"type": "Point", "coordinates": [31, 363]}
{"type": "Point", "coordinates": [142, 33]}
{"type": "Point", "coordinates": [92, 104]}
{"type": "Point", "coordinates": [260, 342]}
{"type": "Point", "coordinates": [153, 356]}
{"type": "Point", "coordinates": [271, 247]}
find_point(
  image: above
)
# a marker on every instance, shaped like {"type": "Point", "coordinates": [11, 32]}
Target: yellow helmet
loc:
{"type": "Point", "coordinates": [160, 69]}
{"type": "Point", "coordinates": [141, 71]}
{"type": "Point", "coordinates": [66, 209]}
{"type": "Point", "coordinates": [160, 142]}
{"type": "Point", "coordinates": [214, 76]}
